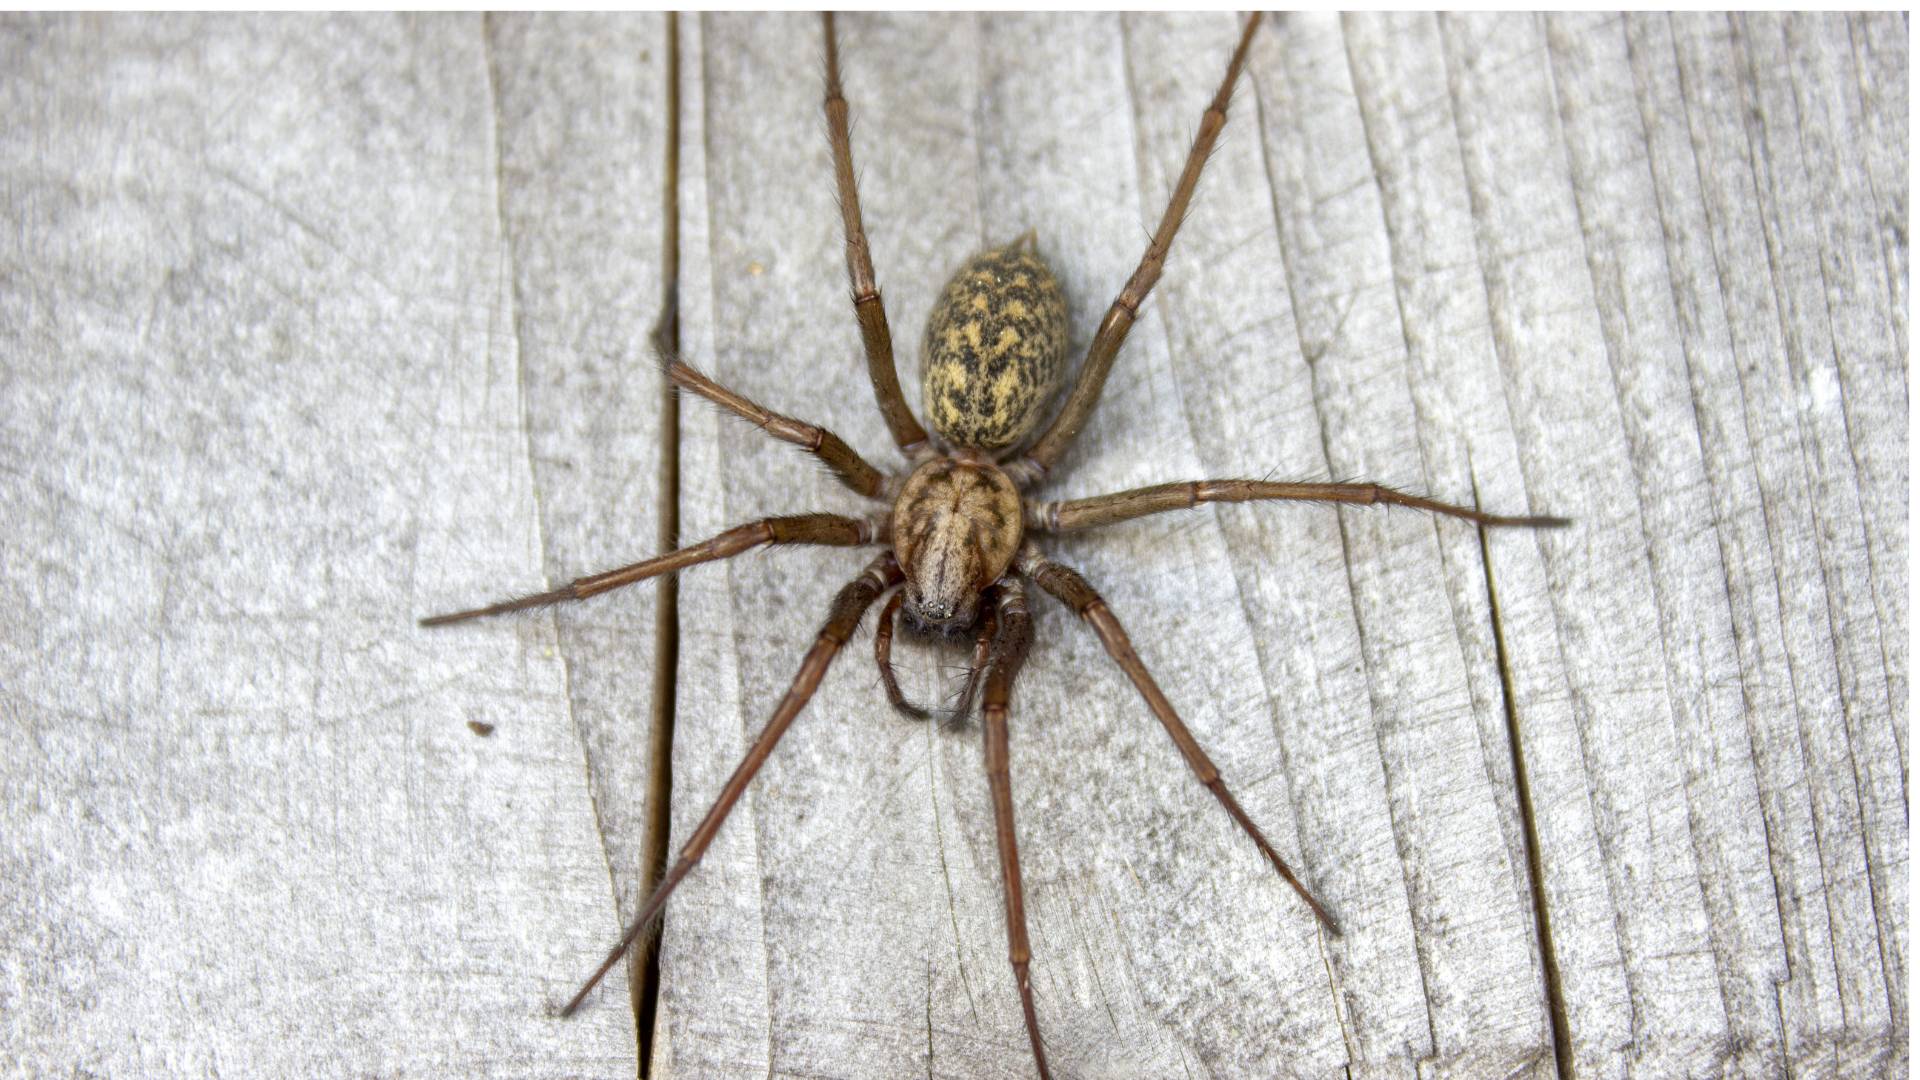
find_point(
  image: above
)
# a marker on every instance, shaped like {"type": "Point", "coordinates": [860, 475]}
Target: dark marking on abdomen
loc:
{"type": "Point", "coordinates": [995, 349]}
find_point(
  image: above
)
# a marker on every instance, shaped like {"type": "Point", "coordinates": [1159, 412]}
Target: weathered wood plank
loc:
{"type": "Point", "coordinates": [580, 111]}
{"type": "Point", "coordinates": [1619, 209]}
{"type": "Point", "coordinates": [1457, 868]}
{"type": "Point", "coordinates": [270, 356]}
{"type": "Point", "coordinates": [1811, 543]}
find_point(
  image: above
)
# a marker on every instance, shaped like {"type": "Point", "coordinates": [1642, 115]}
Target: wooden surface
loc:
{"type": "Point", "coordinates": [315, 326]}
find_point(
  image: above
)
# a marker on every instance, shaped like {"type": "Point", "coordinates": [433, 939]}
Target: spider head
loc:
{"type": "Point", "coordinates": [939, 617]}
{"type": "Point", "coordinates": [956, 527]}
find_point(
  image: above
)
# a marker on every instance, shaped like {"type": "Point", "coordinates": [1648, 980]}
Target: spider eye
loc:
{"type": "Point", "coordinates": [930, 610]}
{"type": "Point", "coordinates": [938, 615]}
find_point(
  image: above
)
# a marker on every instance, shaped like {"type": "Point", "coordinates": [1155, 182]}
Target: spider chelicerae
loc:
{"type": "Point", "coordinates": [955, 531]}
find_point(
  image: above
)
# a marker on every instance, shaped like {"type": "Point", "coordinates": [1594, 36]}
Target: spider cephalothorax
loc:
{"type": "Point", "coordinates": [956, 540]}
{"type": "Point", "coordinates": [956, 528]}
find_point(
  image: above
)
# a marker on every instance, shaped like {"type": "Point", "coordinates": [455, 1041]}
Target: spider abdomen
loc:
{"type": "Point", "coordinates": [996, 348]}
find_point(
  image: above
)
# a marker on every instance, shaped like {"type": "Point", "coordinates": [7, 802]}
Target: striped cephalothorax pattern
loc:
{"type": "Point", "coordinates": [995, 351]}
{"type": "Point", "coordinates": [955, 556]}
{"type": "Point", "coordinates": [956, 529]}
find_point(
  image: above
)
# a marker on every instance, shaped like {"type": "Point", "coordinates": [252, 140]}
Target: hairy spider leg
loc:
{"type": "Point", "coordinates": [827, 530]}
{"type": "Point", "coordinates": [883, 659]}
{"type": "Point", "coordinates": [1072, 589]}
{"type": "Point", "coordinates": [1009, 652]}
{"type": "Point", "coordinates": [848, 608]}
{"type": "Point", "coordinates": [1054, 441]}
{"type": "Point", "coordinates": [847, 465]}
{"type": "Point", "coordinates": [1092, 513]}
{"type": "Point", "coordinates": [982, 656]}
{"type": "Point", "coordinates": [831, 530]}
{"type": "Point", "coordinates": [867, 306]}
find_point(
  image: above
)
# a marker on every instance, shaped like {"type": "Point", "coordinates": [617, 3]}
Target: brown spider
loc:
{"type": "Point", "coordinates": [956, 551]}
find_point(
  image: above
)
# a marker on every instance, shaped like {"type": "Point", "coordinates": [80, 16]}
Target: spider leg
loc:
{"type": "Point", "coordinates": [1100, 510]}
{"type": "Point", "coordinates": [1126, 307]}
{"type": "Point", "coordinates": [1072, 589]}
{"type": "Point", "coordinates": [830, 530]}
{"type": "Point", "coordinates": [867, 307]}
{"type": "Point", "coordinates": [883, 658]}
{"type": "Point", "coordinates": [1009, 652]}
{"type": "Point", "coordinates": [982, 656]}
{"type": "Point", "coordinates": [848, 607]}
{"type": "Point", "coordinates": [848, 466]}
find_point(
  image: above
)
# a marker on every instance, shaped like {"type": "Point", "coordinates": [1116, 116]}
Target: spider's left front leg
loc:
{"type": "Point", "coordinates": [1072, 514]}
{"type": "Point", "coordinates": [1072, 589]}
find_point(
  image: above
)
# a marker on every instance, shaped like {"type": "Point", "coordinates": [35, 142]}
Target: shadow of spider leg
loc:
{"type": "Point", "coordinates": [1072, 589]}
{"type": "Point", "coordinates": [848, 607]}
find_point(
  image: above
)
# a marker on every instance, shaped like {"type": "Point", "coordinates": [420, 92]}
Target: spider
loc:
{"type": "Point", "coordinates": [956, 528]}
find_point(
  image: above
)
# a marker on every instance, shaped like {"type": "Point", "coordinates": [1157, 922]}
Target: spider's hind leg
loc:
{"type": "Point", "coordinates": [1072, 589]}
{"type": "Point", "coordinates": [1053, 442]}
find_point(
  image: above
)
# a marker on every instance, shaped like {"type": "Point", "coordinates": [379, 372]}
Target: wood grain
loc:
{"type": "Point", "coordinates": [314, 326]}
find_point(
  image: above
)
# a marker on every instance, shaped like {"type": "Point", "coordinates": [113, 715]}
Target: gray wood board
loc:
{"type": "Point", "coordinates": [315, 326]}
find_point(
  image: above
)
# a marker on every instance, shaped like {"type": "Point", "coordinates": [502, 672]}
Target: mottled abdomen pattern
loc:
{"type": "Point", "coordinates": [996, 348]}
